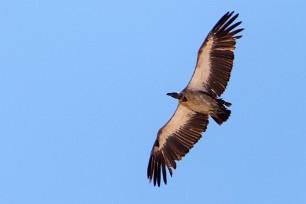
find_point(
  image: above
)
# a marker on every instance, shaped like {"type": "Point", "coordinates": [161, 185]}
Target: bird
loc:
{"type": "Point", "coordinates": [198, 100]}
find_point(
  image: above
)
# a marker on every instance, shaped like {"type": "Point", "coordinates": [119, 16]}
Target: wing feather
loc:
{"type": "Point", "coordinates": [216, 56]}
{"type": "Point", "coordinates": [174, 140]}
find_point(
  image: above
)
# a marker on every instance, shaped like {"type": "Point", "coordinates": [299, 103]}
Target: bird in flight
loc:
{"type": "Point", "coordinates": [199, 100]}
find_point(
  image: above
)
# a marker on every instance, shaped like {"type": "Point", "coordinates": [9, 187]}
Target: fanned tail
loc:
{"type": "Point", "coordinates": [221, 114]}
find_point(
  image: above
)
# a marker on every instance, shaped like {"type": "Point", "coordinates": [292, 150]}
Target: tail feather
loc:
{"type": "Point", "coordinates": [221, 101]}
{"type": "Point", "coordinates": [222, 117]}
{"type": "Point", "coordinates": [222, 113]}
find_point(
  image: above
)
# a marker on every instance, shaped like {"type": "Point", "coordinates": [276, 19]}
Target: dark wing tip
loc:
{"type": "Point", "coordinates": [224, 25]}
{"type": "Point", "coordinates": [223, 19]}
{"type": "Point", "coordinates": [238, 37]}
{"type": "Point", "coordinates": [157, 169]}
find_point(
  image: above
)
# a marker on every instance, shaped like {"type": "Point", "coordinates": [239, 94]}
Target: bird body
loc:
{"type": "Point", "coordinates": [202, 102]}
{"type": "Point", "coordinates": [199, 100]}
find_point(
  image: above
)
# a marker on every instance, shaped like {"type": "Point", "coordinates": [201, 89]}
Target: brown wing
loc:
{"type": "Point", "coordinates": [215, 57]}
{"type": "Point", "coordinates": [174, 141]}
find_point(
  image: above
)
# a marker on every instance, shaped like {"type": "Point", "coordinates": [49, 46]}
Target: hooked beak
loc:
{"type": "Point", "coordinates": [174, 95]}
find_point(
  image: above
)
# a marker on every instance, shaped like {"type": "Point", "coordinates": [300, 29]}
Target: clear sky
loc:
{"type": "Point", "coordinates": [83, 93]}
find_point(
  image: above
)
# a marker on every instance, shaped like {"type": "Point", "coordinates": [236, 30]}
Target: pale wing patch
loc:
{"type": "Point", "coordinates": [202, 70]}
{"type": "Point", "coordinates": [178, 120]}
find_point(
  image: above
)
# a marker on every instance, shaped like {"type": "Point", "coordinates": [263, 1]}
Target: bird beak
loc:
{"type": "Point", "coordinates": [174, 95]}
{"type": "Point", "coordinates": [171, 94]}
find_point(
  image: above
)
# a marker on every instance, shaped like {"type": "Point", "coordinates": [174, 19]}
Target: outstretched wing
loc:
{"type": "Point", "coordinates": [174, 141]}
{"type": "Point", "coordinates": [215, 57]}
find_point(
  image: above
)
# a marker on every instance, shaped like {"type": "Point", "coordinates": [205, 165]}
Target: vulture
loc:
{"type": "Point", "coordinates": [198, 100]}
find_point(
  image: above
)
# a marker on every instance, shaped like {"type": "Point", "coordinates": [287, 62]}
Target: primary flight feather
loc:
{"type": "Point", "coordinates": [199, 100]}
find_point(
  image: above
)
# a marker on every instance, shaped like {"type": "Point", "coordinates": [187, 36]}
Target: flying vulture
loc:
{"type": "Point", "coordinates": [198, 100]}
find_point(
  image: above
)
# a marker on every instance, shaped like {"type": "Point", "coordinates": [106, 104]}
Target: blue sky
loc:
{"type": "Point", "coordinates": [83, 93]}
